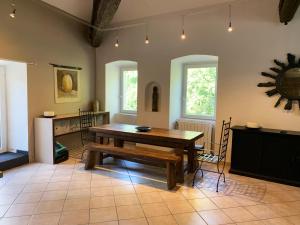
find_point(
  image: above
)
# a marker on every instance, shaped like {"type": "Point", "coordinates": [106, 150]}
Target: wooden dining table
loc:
{"type": "Point", "coordinates": [171, 138]}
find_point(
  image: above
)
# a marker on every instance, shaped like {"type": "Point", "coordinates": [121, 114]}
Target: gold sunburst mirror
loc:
{"type": "Point", "coordinates": [286, 81]}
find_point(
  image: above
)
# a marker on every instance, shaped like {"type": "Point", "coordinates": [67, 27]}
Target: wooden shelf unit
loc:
{"type": "Point", "coordinates": [47, 129]}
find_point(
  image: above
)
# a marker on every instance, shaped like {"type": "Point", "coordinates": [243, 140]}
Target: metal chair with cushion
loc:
{"type": "Point", "coordinates": [219, 159]}
{"type": "Point", "coordinates": [87, 120]}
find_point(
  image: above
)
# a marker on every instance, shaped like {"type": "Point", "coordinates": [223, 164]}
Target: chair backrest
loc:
{"type": "Point", "coordinates": [224, 139]}
{"type": "Point", "coordinates": [87, 119]}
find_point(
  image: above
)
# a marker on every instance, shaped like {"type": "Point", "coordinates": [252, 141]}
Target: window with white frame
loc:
{"type": "Point", "coordinates": [128, 90]}
{"type": "Point", "coordinates": [199, 91]}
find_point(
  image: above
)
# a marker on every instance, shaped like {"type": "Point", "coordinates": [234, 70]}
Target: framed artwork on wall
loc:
{"type": "Point", "coordinates": [67, 85]}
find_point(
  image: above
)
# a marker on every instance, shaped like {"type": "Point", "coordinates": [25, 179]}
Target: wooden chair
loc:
{"type": "Point", "coordinates": [209, 156]}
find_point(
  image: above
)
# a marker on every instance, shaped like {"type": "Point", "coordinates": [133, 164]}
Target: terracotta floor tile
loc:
{"type": "Point", "coordinates": [130, 212]}
{"type": "Point", "coordinates": [239, 214]}
{"type": "Point", "coordinates": [215, 217]}
{"type": "Point", "coordinates": [105, 201]}
{"type": "Point", "coordinates": [202, 204]}
{"type": "Point", "coordinates": [189, 219]}
{"type": "Point", "coordinates": [104, 214]}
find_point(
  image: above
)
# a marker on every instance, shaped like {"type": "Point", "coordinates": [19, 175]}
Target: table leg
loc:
{"type": "Point", "coordinates": [179, 166]}
{"type": "Point", "coordinates": [192, 162]}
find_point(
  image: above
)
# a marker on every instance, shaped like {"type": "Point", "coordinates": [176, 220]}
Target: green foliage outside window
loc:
{"type": "Point", "coordinates": [130, 78]}
{"type": "Point", "coordinates": [201, 91]}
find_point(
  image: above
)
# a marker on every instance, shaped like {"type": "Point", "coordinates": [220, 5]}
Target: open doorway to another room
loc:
{"type": "Point", "coordinates": [13, 114]}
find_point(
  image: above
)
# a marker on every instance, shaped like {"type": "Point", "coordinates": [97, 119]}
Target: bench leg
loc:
{"type": "Point", "coordinates": [91, 160]}
{"type": "Point", "coordinates": [171, 175]}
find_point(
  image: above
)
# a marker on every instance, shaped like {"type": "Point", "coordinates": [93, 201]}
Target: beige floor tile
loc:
{"type": "Point", "coordinates": [295, 205]}
{"type": "Point", "coordinates": [202, 204]}
{"type": "Point", "coordinates": [257, 222]}
{"type": "Point", "coordinates": [54, 195]}
{"type": "Point", "coordinates": [283, 209]}
{"type": "Point", "coordinates": [156, 209]}
{"type": "Point", "coordinates": [215, 217]}
{"type": "Point", "coordinates": [130, 212]}
{"type": "Point", "coordinates": [99, 192]}
{"type": "Point", "coordinates": [126, 200]}
{"type": "Point", "coordinates": [149, 197]}
{"type": "Point", "coordinates": [98, 202]}
{"type": "Point", "coordinates": [239, 214]}
{"type": "Point", "coordinates": [162, 220]}
{"type": "Point", "coordinates": [243, 201]}
{"type": "Point", "coordinates": [120, 182]}
{"type": "Point", "coordinates": [57, 186]}
{"type": "Point", "coordinates": [75, 217]}
{"type": "Point", "coordinates": [225, 202]}
{"type": "Point", "coordinates": [189, 219]}
{"type": "Point", "coordinates": [180, 207]}
{"type": "Point", "coordinates": [35, 187]}
{"type": "Point", "coordinates": [192, 193]}
{"type": "Point", "coordinates": [277, 221]}
{"type": "Point", "coordinates": [21, 209]}
{"type": "Point", "coordinates": [12, 189]}
{"type": "Point", "coordinates": [143, 188]}
{"type": "Point", "coordinates": [22, 220]}
{"type": "Point", "coordinates": [171, 196]}
{"type": "Point", "coordinates": [106, 223]}
{"type": "Point", "coordinates": [101, 183]}
{"type": "Point", "coordinates": [262, 211]}
{"type": "Point", "coordinates": [76, 204]}
{"type": "Point", "coordinates": [141, 221]}
{"type": "Point", "coordinates": [29, 197]}
{"type": "Point", "coordinates": [79, 185]}
{"type": "Point", "coordinates": [294, 219]}
{"type": "Point", "coordinates": [49, 207]}
{"type": "Point", "coordinates": [3, 209]}
{"type": "Point", "coordinates": [104, 214]}
{"type": "Point", "coordinates": [6, 199]}
{"type": "Point", "coordinates": [45, 219]}
{"type": "Point", "coordinates": [79, 193]}
{"type": "Point", "coordinates": [124, 190]}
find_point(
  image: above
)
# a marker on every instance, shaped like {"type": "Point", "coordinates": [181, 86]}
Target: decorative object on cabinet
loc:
{"type": "Point", "coordinates": [286, 81]}
{"type": "Point", "coordinates": [67, 83]}
{"type": "Point", "coordinates": [155, 99]}
{"type": "Point", "coordinates": [267, 154]}
{"type": "Point", "coordinates": [218, 158]}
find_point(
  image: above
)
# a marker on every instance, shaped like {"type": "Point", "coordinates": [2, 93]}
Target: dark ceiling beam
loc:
{"type": "Point", "coordinates": [103, 13]}
{"type": "Point", "coordinates": [287, 10]}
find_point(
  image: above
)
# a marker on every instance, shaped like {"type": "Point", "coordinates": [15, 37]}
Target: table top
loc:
{"type": "Point", "coordinates": [130, 130]}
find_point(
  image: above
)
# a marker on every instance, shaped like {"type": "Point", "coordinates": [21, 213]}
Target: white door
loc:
{"type": "Point", "coordinates": [3, 121]}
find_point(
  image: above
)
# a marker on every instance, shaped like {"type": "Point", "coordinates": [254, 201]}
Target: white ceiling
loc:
{"type": "Point", "coordinates": [132, 9]}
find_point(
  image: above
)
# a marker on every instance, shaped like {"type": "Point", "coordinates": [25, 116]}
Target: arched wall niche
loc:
{"type": "Point", "coordinates": [153, 97]}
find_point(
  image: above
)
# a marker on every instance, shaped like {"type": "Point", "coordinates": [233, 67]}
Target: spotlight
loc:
{"type": "Point", "coordinates": [117, 43]}
{"type": "Point", "coordinates": [14, 10]}
{"type": "Point", "coordinates": [147, 40]}
{"type": "Point", "coordinates": [183, 36]}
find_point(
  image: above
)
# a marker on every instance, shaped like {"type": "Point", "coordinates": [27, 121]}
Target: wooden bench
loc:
{"type": "Point", "coordinates": [168, 158]}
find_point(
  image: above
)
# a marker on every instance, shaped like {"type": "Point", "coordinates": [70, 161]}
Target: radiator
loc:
{"type": "Point", "coordinates": [205, 126]}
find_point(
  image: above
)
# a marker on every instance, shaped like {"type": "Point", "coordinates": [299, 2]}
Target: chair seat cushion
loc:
{"type": "Point", "coordinates": [205, 157]}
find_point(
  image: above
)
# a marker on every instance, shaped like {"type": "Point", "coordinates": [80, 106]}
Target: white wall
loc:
{"type": "Point", "coordinates": [16, 106]}
{"type": "Point", "coordinates": [258, 38]}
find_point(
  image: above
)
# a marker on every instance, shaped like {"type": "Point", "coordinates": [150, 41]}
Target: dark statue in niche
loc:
{"type": "Point", "coordinates": [155, 99]}
{"type": "Point", "coordinates": [286, 81]}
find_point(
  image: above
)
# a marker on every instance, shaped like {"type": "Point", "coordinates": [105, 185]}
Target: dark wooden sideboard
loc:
{"type": "Point", "coordinates": [267, 154]}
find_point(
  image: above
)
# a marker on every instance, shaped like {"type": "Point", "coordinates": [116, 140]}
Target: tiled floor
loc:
{"type": "Point", "coordinates": [125, 193]}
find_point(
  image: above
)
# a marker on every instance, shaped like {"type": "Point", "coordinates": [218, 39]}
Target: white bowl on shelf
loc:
{"type": "Point", "coordinates": [49, 114]}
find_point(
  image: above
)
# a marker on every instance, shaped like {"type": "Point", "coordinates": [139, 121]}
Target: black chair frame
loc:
{"type": "Point", "coordinates": [218, 159]}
